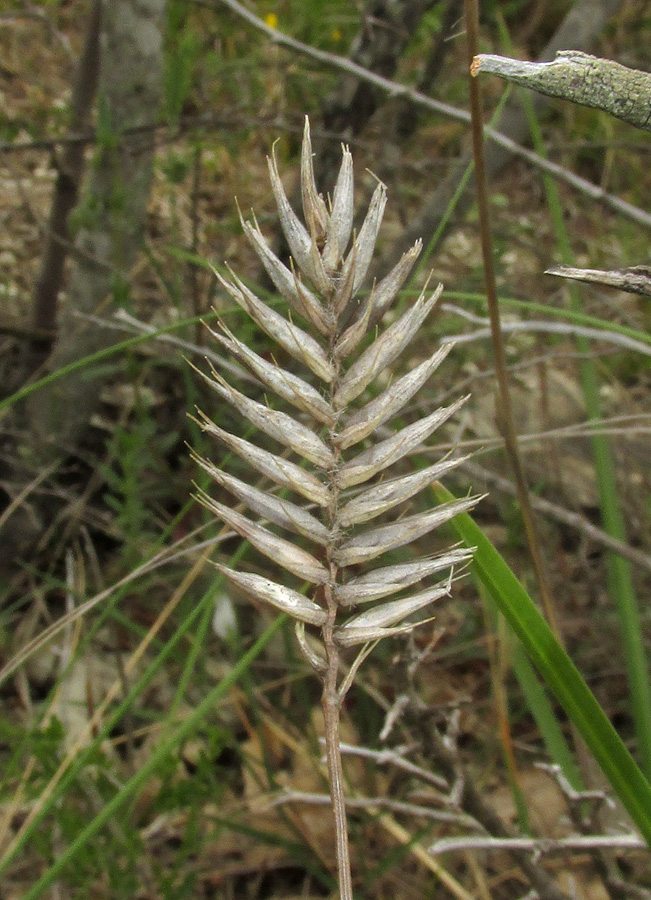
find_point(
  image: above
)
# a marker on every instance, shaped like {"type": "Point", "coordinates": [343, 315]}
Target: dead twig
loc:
{"type": "Point", "coordinates": [539, 326]}
{"type": "Point", "coordinates": [634, 280]}
{"type": "Point", "coordinates": [540, 846]}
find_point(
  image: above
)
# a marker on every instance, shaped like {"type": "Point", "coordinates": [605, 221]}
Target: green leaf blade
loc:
{"type": "Point", "coordinates": [559, 672]}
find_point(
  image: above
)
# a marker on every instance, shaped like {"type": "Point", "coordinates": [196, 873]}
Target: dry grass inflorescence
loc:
{"type": "Point", "coordinates": [344, 477]}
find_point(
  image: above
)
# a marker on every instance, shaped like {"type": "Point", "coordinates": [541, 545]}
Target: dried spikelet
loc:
{"type": "Point", "coordinates": [335, 446]}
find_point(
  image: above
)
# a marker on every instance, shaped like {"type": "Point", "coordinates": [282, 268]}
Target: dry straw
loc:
{"type": "Point", "coordinates": [333, 526]}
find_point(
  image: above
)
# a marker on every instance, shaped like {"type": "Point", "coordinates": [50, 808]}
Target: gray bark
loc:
{"type": "Point", "coordinates": [634, 280]}
{"type": "Point", "coordinates": [581, 78]}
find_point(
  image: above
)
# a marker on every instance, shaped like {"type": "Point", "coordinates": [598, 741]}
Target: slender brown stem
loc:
{"type": "Point", "coordinates": [504, 412]}
{"type": "Point", "coordinates": [331, 702]}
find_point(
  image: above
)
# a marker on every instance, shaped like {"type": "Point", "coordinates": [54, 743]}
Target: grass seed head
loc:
{"type": "Point", "coordinates": [335, 435]}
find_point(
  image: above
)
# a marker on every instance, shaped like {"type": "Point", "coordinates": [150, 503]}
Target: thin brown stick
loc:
{"type": "Point", "coordinates": [504, 410]}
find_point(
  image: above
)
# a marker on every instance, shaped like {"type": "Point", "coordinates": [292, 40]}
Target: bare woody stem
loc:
{"type": "Point", "coordinates": [504, 409]}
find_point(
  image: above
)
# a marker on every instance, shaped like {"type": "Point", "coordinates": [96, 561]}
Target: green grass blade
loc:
{"type": "Point", "coordinates": [559, 672]}
{"type": "Point", "coordinates": [98, 356]}
{"type": "Point", "coordinates": [87, 753]}
{"type": "Point", "coordinates": [543, 713]}
{"type": "Point", "coordinates": [536, 699]}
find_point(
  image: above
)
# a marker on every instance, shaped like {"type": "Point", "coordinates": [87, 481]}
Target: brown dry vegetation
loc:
{"type": "Point", "coordinates": [208, 822]}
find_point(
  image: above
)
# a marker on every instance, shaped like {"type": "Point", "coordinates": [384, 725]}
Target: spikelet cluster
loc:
{"type": "Point", "coordinates": [330, 503]}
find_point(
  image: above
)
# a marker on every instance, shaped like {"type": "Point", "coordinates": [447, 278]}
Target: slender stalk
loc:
{"type": "Point", "coordinates": [331, 703]}
{"type": "Point", "coordinates": [505, 414]}
{"type": "Point", "coordinates": [322, 287]}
